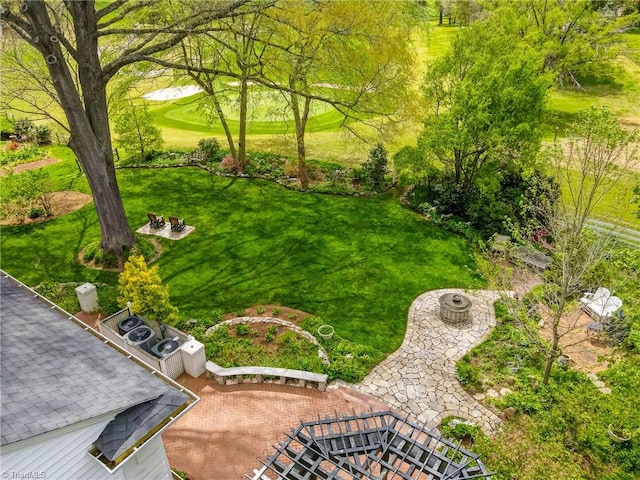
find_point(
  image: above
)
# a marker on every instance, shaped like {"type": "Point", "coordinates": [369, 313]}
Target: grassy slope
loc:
{"type": "Point", "coordinates": [616, 205]}
{"type": "Point", "coordinates": [357, 262]}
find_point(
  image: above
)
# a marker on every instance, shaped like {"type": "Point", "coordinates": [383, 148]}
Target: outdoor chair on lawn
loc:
{"type": "Point", "coordinates": [177, 224]}
{"type": "Point", "coordinates": [155, 221]}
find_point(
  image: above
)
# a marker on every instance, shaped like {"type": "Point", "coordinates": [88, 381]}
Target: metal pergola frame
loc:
{"type": "Point", "coordinates": [374, 445]}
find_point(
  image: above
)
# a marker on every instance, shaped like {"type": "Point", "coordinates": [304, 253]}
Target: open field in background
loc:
{"type": "Point", "coordinates": [183, 124]}
{"type": "Point", "coordinates": [268, 114]}
{"type": "Point", "coordinates": [621, 94]}
{"type": "Point", "coordinates": [615, 207]}
{"type": "Point", "coordinates": [632, 47]}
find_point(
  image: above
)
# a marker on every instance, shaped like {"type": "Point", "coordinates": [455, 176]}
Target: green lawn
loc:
{"type": "Point", "coordinates": [616, 205]}
{"type": "Point", "coordinates": [266, 116]}
{"type": "Point", "coordinates": [357, 262]}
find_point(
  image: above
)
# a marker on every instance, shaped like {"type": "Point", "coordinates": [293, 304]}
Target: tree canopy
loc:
{"type": "Point", "coordinates": [577, 38]}
{"type": "Point", "coordinates": [486, 100]}
{"type": "Point", "coordinates": [590, 165]}
{"type": "Point", "coordinates": [351, 55]}
{"type": "Point", "coordinates": [83, 48]}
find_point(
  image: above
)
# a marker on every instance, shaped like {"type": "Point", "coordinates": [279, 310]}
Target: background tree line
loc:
{"type": "Point", "coordinates": [485, 100]}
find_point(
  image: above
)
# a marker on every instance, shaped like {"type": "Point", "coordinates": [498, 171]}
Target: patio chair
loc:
{"type": "Point", "coordinates": [155, 221]}
{"type": "Point", "coordinates": [598, 297]}
{"type": "Point", "coordinates": [177, 224]}
{"type": "Point", "coordinates": [600, 305]}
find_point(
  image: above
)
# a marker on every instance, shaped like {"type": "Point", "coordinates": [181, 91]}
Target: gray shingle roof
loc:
{"type": "Point", "coordinates": [54, 374]}
{"type": "Point", "coordinates": [128, 427]}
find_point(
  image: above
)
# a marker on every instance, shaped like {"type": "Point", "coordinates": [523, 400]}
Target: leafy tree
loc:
{"type": "Point", "coordinates": [133, 125]}
{"type": "Point", "coordinates": [464, 11]}
{"type": "Point", "coordinates": [411, 164]}
{"type": "Point", "coordinates": [234, 53]}
{"type": "Point", "coordinates": [486, 101]}
{"type": "Point", "coordinates": [578, 38]}
{"type": "Point", "coordinates": [142, 286]}
{"type": "Point", "coordinates": [76, 50]}
{"type": "Point", "coordinates": [350, 55]}
{"type": "Point", "coordinates": [376, 166]}
{"type": "Point", "coordinates": [599, 150]}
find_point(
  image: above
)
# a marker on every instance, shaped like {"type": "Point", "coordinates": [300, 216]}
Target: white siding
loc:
{"type": "Point", "coordinates": [149, 463]}
{"type": "Point", "coordinates": [59, 455]}
{"type": "Point", "coordinates": [62, 455]}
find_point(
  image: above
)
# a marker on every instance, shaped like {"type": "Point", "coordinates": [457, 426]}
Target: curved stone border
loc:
{"type": "Point", "coordinates": [419, 378]}
{"type": "Point", "coordinates": [276, 321]}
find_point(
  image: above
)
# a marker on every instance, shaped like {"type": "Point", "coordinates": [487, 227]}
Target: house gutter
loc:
{"type": "Point", "coordinates": [193, 398]}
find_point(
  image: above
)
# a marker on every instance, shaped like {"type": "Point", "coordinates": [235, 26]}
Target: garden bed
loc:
{"type": "Point", "coordinates": [23, 167]}
{"type": "Point", "coordinates": [262, 344]}
{"type": "Point", "coordinates": [61, 202]}
{"type": "Point", "coordinates": [273, 311]}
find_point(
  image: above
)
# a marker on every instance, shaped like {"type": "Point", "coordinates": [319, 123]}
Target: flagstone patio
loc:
{"type": "Point", "coordinates": [165, 231]}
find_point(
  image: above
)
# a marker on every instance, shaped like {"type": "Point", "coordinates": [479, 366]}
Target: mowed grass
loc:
{"type": "Point", "coordinates": [267, 115]}
{"type": "Point", "coordinates": [616, 205]}
{"type": "Point", "coordinates": [632, 45]}
{"type": "Point", "coordinates": [357, 262]}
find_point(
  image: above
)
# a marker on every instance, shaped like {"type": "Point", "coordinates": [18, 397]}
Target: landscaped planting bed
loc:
{"type": "Point", "coordinates": [262, 344]}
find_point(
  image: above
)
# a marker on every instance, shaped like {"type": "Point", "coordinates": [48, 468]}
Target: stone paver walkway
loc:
{"type": "Point", "coordinates": [419, 377]}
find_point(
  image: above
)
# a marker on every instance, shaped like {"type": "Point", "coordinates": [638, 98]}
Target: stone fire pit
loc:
{"type": "Point", "coordinates": [454, 308]}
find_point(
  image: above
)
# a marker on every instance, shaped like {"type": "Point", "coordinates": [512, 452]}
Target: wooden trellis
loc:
{"type": "Point", "coordinates": [374, 445]}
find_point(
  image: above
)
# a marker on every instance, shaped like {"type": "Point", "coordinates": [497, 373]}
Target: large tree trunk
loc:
{"type": "Point", "coordinates": [225, 124]}
{"type": "Point", "coordinates": [115, 230]}
{"type": "Point", "coordinates": [301, 124]}
{"type": "Point", "coordinates": [242, 129]}
{"type": "Point", "coordinates": [87, 117]}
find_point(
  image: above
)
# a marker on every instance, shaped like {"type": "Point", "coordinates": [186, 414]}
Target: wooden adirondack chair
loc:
{"type": "Point", "coordinates": [156, 221]}
{"type": "Point", "coordinates": [177, 224]}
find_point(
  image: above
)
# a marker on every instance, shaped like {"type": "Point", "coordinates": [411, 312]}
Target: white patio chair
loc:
{"type": "Point", "coordinates": [601, 304]}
